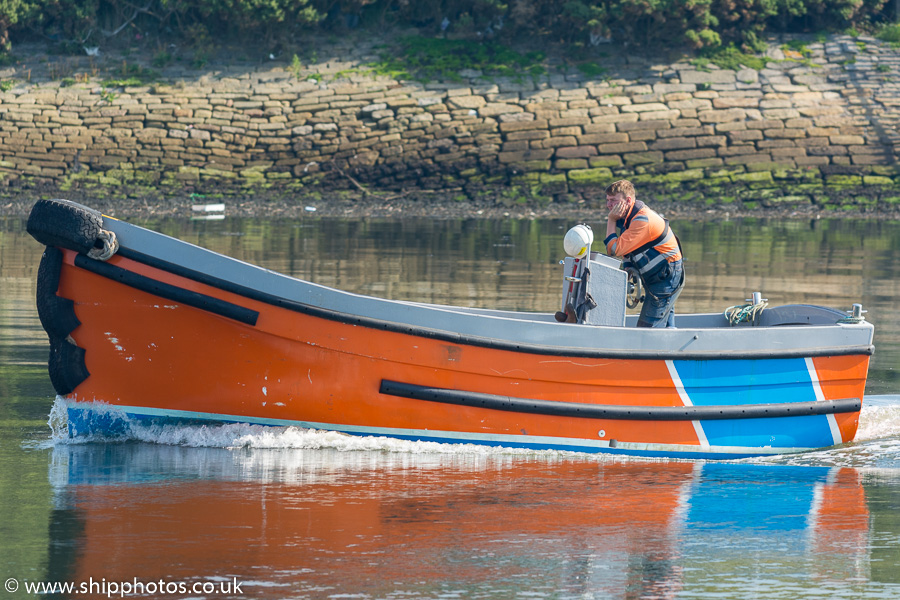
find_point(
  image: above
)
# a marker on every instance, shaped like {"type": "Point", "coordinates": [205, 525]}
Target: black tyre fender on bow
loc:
{"type": "Point", "coordinates": [66, 365]}
{"type": "Point", "coordinates": [65, 224]}
{"type": "Point", "coordinates": [57, 314]}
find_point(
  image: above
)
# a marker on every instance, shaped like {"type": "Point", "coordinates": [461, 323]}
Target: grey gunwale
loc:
{"type": "Point", "coordinates": [791, 331]}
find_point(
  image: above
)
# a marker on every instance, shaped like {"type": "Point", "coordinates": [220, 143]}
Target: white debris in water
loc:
{"type": "Point", "coordinates": [208, 207]}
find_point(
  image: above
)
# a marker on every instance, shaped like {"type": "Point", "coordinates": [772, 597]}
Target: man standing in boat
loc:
{"type": "Point", "coordinates": [643, 238]}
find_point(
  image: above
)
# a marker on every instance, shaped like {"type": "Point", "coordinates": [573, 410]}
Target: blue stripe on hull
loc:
{"type": "Point", "coordinates": [806, 432]}
{"type": "Point", "coordinates": [755, 381]}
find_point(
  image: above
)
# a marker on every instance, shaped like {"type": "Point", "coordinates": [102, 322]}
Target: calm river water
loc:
{"type": "Point", "coordinates": [250, 512]}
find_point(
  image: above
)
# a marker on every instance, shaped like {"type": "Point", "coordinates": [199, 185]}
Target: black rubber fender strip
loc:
{"type": "Point", "coordinates": [65, 224]}
{"type": "Point", "coordinates": [614, 412]}
{"type": "Point", "coordinates": [66, 365]}
{"type": "Point", "coordinates": [57, 314]}
{"type": "Point", "coordinates": [471, 340]}
{"type": "Point", "coordinates": [168, 291]}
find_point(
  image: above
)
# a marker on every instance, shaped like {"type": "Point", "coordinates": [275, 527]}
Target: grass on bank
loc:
{"type": "Point", "coordinates": [131, 75]}
{"type": "Point", "coordinates": [428, 59]}
{"type": "Point", "coordinates": [729, 58]}
{"type": "Point", "coordinates": [890, 34]}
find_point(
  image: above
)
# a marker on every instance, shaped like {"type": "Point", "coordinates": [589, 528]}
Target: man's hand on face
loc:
{"type": "Point", "coordinates": [618, 206]}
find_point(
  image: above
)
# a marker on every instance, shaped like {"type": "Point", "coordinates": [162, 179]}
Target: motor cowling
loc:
{"type": "Point", "coordinates": [578, 240]}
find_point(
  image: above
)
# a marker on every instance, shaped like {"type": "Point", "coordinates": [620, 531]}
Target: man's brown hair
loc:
{"type": "Point", "coordinates": [623, 186]}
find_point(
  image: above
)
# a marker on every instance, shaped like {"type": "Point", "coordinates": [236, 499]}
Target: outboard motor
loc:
{"type": "Point", "coordinates": [595, 287]}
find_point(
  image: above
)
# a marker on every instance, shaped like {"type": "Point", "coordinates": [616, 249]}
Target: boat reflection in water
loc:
{"type": "Point", "coordinates": [305, 522]}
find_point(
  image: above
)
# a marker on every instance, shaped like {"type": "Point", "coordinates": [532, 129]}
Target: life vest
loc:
{"type": "Point", "coordinates": [650, 255]}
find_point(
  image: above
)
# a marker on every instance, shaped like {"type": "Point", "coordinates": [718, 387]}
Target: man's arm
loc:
{"type": "Point", "coordinates": [637, 234]}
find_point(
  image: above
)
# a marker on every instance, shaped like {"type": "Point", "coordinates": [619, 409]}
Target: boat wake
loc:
{"type": "Point", "coordinates": [880, 418]}
{"type": "Point", "coordinates": [876, 446]}
{"type": "Point", "coordinates": [877, 440]}
{"type": "Point", "coordinates": [244, 435]}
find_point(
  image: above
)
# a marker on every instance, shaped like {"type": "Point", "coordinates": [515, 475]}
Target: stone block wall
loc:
{"type": "Point", "coordinates": [818, 130]}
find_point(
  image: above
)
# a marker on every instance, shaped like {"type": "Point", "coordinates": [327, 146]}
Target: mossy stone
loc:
{"type": "Point", "coordinates": [645, 178]}
{"type": "Point", "coordinates": [592, 178]}
{"type": "Point", "coordinates": [534, 165]}
{"type": "Point", "coordinates": [681, 176]}
{"type": "Point", "coordinates": [805, 187]}
{"type": "Point", "coordinates": [764, 166]}
{"type": "Point", "coordinates": [793, 200]}
{"type": "Point", "coordinates": [513, 195]}
{"type": "Point", "coordinates": [703, 163]}
{"type": "Point", "coordinates": [642, 158]}
{"type": "Point", "coordinates": [807, 175]}
{"type": "Point", "coordinates": [554, 183]}
{"type": "Point", "coordinates": [754, 177]}
{"type": "Point", "coordinates": [713, 184]}
{"type": "Point", "coordinates": [605, 161]}
{"type": "Point", "coordinates": [253, 173]}
{"type": "Point", "coordinates": [568, 164]}
{"type": "Point", "coordinates": [842, 180]}
{"type": "Point", "coordinates": [209, 173]}
{"type": "Point", "coordinates": [877, 180]}
{"type": "Point", "coordinates": [526, 179]}
{"type": "Point", "coordinates": [886, 171]}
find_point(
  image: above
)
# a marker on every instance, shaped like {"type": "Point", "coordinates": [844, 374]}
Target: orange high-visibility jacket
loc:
{"type": "Point", "coordinates": [645, 239]}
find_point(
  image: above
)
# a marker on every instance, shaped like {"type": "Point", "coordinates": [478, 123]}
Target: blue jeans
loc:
{"type": "Point", "coordinates": [661, 290]}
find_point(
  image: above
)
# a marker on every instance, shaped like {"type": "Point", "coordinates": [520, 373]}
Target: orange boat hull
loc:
{"type": "Point", "coordinates": [291, 368]}
{"type": "Point", "coordinates": [140, 337]}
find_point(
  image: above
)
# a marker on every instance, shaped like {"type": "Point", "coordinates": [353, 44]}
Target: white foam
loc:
{"type": "Point", "coordinates": [879, 426]}
{"type": "Point", "coordinates": [58, 420]}
{"type": "Point", "coordinates": [875, 448]}
{"type": "Point", "coordinates": [243, 435]}
{"type": "Point", "coordinates": [879, 419]}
